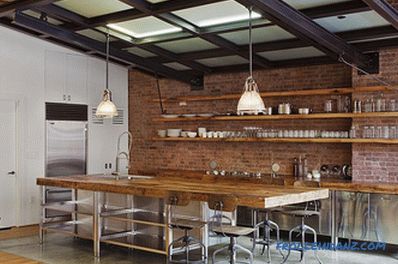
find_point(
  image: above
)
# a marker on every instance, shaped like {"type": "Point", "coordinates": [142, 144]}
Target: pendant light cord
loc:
{"type": "Point", "coordinates": [107, 60]}
{"type": "Point", "coordinates": [341, 59]}
{"type": "Point", "coordinates": [159, 94]}
{"type": "Point", "coordinates": [250, 42]}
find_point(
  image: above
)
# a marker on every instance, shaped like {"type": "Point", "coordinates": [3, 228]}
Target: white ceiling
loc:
{"type": "Point", "coordinates": [223, 61]}
{"type": "Point", "coordinates": [187, 45]}
{"type": "Point", "coordinates": [287, 54]}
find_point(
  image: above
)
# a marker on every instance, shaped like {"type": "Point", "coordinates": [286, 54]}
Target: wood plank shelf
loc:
{"type": "Point", "coordinates": [280, 117]}
{"type": "Point", "coordinates": [284, 140]}
{"type": "Point", "coordinates": [307, 92]}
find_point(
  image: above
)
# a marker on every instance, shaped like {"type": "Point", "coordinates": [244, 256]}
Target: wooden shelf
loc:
{"type": "Point", "coordinates": [284, 140]}
{"type": "Point", "coordinates": [307, 92]}
{"type": "Point", "coordinates": [279, 117]}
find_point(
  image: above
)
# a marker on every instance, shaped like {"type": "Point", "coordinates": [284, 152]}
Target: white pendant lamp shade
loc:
{"type": "Point", "coordinates": [250, 103]}
{"type": "Point", "coordinates": [106, 108]}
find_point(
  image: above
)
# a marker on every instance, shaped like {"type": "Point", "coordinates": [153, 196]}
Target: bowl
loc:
{"type": "Point", "coordinates": [304, 111]}
{"type": "Point", "coordinates": [162, 133]}
{"type": "Point", "coordinates": [184, 133]}
{"type": "Point", "coordinates": [174, 132]}
{"type": "Point", "coordinates": [192, 134]}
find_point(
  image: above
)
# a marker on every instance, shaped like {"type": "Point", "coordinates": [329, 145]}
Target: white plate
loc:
{"type": "Point", "coordinates": [189, 115]}
{"type": "Point", "coordinates": [170, 116]}
{"type": "Point", "coordinates": [205, 115]}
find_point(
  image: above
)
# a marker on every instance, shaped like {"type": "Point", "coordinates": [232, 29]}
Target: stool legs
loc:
{"type": "Point", "coordinates": [233, 247]}
{"type": "Point", "coordinates": [302, 229]}
{"type": "Point", "coordinates": [265, 241]}
{"type": "Point", "coordinates": [187, 241]}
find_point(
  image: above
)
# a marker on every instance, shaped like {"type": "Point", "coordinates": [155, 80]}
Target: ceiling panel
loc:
{"type": "Point", "coordinates": [140, 52]}
{"type": "Point", "coordinates": [223, 61]}
{"type": "Point", "coordinates": [187, 45]}
{"type": "Point", "coordinates": [156, 1]}
{"type": "Point", "coordinates": [216, 14]}
{"type": "Point", "coordinates": [144, 27]}
{"type": "Point", "coordinates": [264, 34]}
{"type": "Point", "coordinates": [92, 8]}
{"type": "Point", "coordinates": [298, 53]}
{"type": "Point", "coordinates": [303, 4]}
{"type": "Point", "coordinates": [355, 21]}
{"type": "Point", "coordinates": [177, 66]}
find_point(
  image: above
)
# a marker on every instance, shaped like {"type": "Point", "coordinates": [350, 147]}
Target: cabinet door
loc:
{"type": "Point", "coordinates": [76, 78]}
{"type": "Point", "coordinates": [55, 67]}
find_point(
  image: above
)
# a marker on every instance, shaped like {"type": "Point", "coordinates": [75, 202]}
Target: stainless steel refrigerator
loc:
{"type": "Point", "coordinates": [66, 151]}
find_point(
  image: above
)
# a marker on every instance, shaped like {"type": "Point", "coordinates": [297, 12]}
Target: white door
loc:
{"type": "Point", "coordinates": [8, 202]}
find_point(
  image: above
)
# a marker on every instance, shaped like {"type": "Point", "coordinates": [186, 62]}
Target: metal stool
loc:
{"type": "Point", "coordinates": [303, 228]}
{"type": "Point", "coordinates": [228, 204]}
{"type": "Point", "coordinates": [265, 240]}
{"type": "Point", "coordinates": [186, 225]}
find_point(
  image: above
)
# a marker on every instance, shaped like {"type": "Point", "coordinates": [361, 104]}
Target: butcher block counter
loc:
{"type": "Point", "coordinates": [258, 194]}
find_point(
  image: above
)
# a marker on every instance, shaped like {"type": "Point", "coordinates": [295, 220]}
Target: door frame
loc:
{"type": "Point", "coordinates": [18, 101]}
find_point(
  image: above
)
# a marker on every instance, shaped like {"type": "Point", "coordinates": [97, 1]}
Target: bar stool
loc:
{"type": "Point", "coordinates": [302, 228]}
{"type": "Point", "coordinates": [222, 204]}
{"type": "Point", "coordinates": [186, 225]}
{"type": "Point", "coordinates": [268, 226]}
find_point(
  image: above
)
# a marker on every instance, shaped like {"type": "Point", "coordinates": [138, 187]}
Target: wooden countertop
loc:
{"type": "Point", "coordinates": [257, 194]}
{"type": "Point", "coordinates": [358, 186]}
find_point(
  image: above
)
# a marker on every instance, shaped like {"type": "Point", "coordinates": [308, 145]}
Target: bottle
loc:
{"type": "Point", "coordinates": [372, 105]}
{"type": "Point", "coordinates": [353, 132]}
{"type": "Point", "coordinates": [295, 168]}
{"type": "Point", "coordinates": [300, 167]}
{"type": "Point", "coordinates": [392, 105]}
{"type": "Point", "coordinates": [305, 167]}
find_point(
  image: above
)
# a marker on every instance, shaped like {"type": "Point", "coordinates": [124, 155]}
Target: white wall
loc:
{"type": "Point", "coordinates": [22, 72]}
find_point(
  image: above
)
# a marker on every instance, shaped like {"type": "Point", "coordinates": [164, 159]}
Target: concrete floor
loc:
{"type": "Point", "coordinates": [60, 249]}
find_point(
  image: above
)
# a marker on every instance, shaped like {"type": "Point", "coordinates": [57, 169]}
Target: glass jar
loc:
{"type": "Point", "coordinates": [366, 132]}
{"type": "Point", "coordinates": [392, 106]}
{"type": "Point", "coordinates": [328, 107]}
{"type": "Point", "coordinates": [386, 132]}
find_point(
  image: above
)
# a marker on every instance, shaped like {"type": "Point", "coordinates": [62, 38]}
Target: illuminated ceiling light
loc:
{"type": "Point", "coordinates": [146, 34]}
{"type": "Point", "coordinates": [229, 19]}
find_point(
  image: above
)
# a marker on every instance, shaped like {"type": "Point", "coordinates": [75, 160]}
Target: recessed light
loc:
{"type": "Point", "coordinates": [146, 34]}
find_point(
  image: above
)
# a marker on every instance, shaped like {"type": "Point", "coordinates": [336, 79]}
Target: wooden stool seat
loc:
{"type": "Point", "coordinates": [234, 231]}
{"type": "Point", "coordinates": [189, 224]}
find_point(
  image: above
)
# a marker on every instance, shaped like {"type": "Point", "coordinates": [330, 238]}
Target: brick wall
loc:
{"type": "Point", "coordinates": [372, 162]}
{"type": "Point", "coordinates": [254, 157]}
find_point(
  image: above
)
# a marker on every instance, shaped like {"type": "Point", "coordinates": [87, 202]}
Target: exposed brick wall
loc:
{"type": "Point", "coordinates": [372, 162]}
{"type": "Point", "coordinates": [254, 157]}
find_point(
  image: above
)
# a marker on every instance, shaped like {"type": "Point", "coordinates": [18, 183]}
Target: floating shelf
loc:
{"type": "Point", "coordinates": [284, 140]}
{"type": "Point", "coordinates": [279, 117]}
{"type": "Point", "coordinates": [307, 92]}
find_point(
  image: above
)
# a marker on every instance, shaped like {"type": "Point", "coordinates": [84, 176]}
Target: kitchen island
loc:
{"type": "Point", "coordinates": [249, 193]}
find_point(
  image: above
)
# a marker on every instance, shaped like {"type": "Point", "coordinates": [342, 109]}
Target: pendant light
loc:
{"type": "Point", "coordinates": [250, 103]}
{"type": "Point", "coordinates": [106, 108]}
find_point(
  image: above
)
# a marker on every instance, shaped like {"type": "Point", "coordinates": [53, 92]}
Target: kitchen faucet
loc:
{"type": "Point", "coordinates": [122, 154]}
